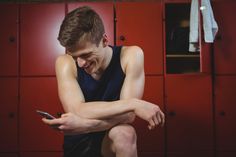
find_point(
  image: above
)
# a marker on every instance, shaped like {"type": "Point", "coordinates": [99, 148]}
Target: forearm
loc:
{"type": "Point", "coordinates": [104, 110]}
{"type": "Point", "coordinates": [70, 123]}
{"type": "Point", "coordinates": [106, 124]}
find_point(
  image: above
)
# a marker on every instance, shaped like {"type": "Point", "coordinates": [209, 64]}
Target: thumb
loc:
{"type": "Point", "coordinates": [52, 121]}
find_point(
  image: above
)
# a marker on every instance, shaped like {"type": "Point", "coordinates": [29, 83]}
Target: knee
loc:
{"type": "Point", "coordinates": [123, 137]}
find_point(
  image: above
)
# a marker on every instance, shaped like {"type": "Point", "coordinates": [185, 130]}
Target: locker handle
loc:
{"type": "Point", "coordinates": [172, 113]}
{"type": "Point", "coordinates": [222, 113]}
{"type": "Point", "coordinates": [12, 39]}
{"type": "Point", "coordinates": [11, 115]}
{"type": "Point", "coordinates": [122, 38]}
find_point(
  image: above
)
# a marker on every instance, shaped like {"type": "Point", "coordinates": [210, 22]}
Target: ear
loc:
{"type": "Point", "coordinates": [105, 40]}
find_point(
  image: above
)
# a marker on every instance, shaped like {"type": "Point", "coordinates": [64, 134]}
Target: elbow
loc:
{"type": "Point", "coordinates": [79, 111]}
{"type": "Point", "coordinates": [75, 109]}
{"type": "Point", "coordinates": [130, 117]}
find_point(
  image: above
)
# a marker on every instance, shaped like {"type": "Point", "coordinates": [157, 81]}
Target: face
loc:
{"type": "Point", "coordinates": [90, 57]}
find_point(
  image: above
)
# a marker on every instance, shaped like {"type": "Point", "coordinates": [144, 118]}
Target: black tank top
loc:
{"type": "Point", "coordinates": [108, 87]}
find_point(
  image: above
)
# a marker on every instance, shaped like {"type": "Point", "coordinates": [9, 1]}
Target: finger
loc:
{"type": "Point", "coordinates": [46, 121]}
{"type": "Point", "coordinates": [159, 117]}
{"type": "Point", "coordinates": [156, 119]}
{"type": "Point", "coordinates": [56, 127]}
{"type": "Point", "coordinates": [162, 119]}
{"type": "Point", "coordinates": [61, 127]}
{"type": "Point", "coordinates": [151, 127]}
{"type": "Point", "coordinates": [152, 123]}
{"type": "Point", "coordinates": [57, 121]}
{"type": "Point", "coordinates": [64, 129]}
{"type": "Point", "coordinates": [64, 115]}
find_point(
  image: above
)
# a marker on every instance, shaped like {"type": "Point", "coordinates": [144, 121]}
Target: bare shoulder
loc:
{"type": "Point", "coordinates": [65, 64]}
{"type": "Point", "coordinates": [131, 55]}
{"type": "Point", "coordinates": [132, 51]}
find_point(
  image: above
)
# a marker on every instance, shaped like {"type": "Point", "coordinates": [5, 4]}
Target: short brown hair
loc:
{"type": "Point", "coordinates": [79, 26]}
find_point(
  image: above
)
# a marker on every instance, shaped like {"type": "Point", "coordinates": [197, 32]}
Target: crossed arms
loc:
{"type": "Point", "coordinates": [83, 117]}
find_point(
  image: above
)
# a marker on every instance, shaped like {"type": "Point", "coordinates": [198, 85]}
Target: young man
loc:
{"type": "Point", "coordinates": [100, 88]}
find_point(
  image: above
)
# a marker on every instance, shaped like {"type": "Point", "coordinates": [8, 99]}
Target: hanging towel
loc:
{"type": "Point", "coordinates": [210, 26]}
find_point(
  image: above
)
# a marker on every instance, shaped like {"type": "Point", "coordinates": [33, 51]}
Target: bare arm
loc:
{"type": "Point", "coordinates": [124, 110]}
{"type": "Point", "coordinates": [71, 123]}
{"type": "Point", "coordinates": [133, 87]}
{"type": "Point", "coordinates": [72, 97]}
{"type": "Point", "coordinates": [73, 101]}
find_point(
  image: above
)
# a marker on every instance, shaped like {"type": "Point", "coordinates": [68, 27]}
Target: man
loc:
{"type": "Point", "coordinates": [100, 88]}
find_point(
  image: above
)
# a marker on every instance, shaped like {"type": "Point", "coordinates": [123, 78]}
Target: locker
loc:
{"type": "Point", "coordinates": [150, 154]}
{"type": "Point", "coordinates": [151, 140]}
{"type": "Point", "coordinates": [40, 154]}
{"type": "Point", "coordinates": [177, 1]}
{"type": "Point", "coordinates": [225, 100]}
{"type": "Point", "coordinates": [8, 155]}
{"type": "Point", "coordinates": [226, 154]}
{"type": "Point", "coordinates": [176, 35]}
{"type": "Point", "coordinates": [189, 113]}
{"type": "Point", "coordinates": [39, 48]}
{"type": "Point", "coordinates": [224, 46]}
{"type": "Point", "coordinates": [38, 94]}
{"type": "Point", "coordinates": [133, 27]}
{"type": "Point", "coordinates": [105, 11]}
{"type": "Point", "coordinates": [192, 154]}
{"type": "Point", "coordinates": [8, 114]}
{"type": "Point", "coordinates": [8, 40]}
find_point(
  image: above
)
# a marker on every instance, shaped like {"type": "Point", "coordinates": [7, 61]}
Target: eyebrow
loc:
{"type": "Point", "coordinates": [84, 54]}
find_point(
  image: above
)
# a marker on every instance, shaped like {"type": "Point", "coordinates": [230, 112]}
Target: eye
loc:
{"type": "Point", "coordinates": [87, 55]}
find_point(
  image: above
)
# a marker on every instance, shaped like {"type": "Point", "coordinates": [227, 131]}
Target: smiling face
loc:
{"type": "Point", "coordinates": [90, 57]}
{"type": "Point", "coordinates": [83, 35]}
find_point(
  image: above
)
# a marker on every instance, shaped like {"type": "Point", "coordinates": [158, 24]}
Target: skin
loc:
{"type": "Point", "coordinates": [84, 117]}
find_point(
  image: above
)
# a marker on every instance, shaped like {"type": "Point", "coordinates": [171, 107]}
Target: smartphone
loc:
{"type": "Point", "coordinates": [45, 114]}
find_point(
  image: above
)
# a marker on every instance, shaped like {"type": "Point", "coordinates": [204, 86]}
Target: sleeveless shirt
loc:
{"type": "Point", "coordinates": [108, 87]}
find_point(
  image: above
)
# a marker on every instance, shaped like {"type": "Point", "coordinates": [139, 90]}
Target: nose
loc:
{"type": "Point", "coordinates": [81, 62]}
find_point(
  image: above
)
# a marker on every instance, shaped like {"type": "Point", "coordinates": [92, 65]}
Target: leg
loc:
{"type": "Point", "coordinates": [120, 141]}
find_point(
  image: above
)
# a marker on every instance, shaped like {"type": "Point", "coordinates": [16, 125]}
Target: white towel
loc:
{"type": "Point", "coordinates": [210, 26]}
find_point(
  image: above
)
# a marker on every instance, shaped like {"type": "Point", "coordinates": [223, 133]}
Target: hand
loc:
{"type": "Point", "coordinates": [149, 112]}
{"type": "Point", "coordinates": [71, 123]}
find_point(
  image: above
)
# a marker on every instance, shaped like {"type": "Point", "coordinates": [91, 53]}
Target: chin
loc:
{"type": "Point", "coordinates": [90, 70]}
